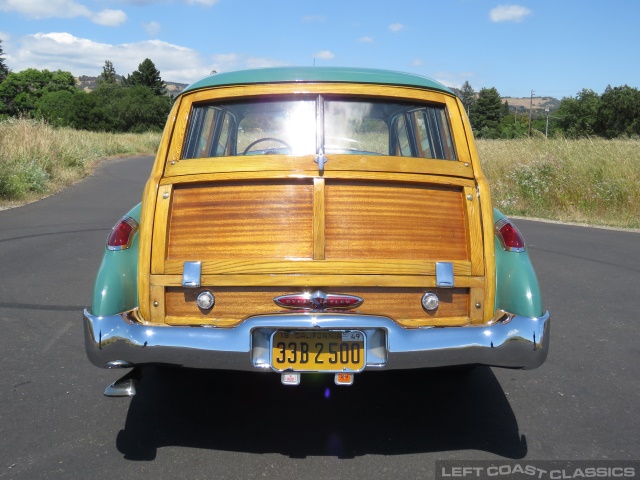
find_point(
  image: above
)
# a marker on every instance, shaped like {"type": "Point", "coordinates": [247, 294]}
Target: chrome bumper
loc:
{"type": "Point", "coordinates": [509, 341]}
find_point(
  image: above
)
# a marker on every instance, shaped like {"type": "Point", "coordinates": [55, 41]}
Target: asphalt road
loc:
{"type": "Point", "coordinates": [55, 422]}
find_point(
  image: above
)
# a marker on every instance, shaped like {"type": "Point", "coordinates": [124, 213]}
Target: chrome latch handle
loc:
{"type": "Point", "coordinates": [320, 160]}
{"type": "Point", "coordinates": [191, 274]}
{"type": "Point", "coordinates": [444, 275]}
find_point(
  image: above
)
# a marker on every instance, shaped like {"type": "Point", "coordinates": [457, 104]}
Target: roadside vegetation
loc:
{"type": "Point", "coordinates": [37, 159]}
{"type": "Point", "coordinates": [593, 180]}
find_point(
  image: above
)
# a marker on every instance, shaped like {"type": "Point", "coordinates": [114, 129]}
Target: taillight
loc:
{"type": "Point", "coordinates": [122, 234]}
{"type": "Point", "coordinates": [510, 238]}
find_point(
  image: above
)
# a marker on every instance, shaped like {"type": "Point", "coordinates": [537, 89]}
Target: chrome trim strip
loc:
{"type": "Point", "coordinates": [510, 341]}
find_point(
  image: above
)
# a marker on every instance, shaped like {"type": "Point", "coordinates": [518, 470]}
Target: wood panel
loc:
{"type": "Point", "coordinates": [302, 281]}
{"type": "Point", "coordinates": [335, 163]}
{"type": "Point", "coordinates": [338, 174]}
{"type": "Point", "coordinates": [474, 230]}
{"type": "Point", "coordinates": [405, 304]}
{"type": "Point", "coordinates": [242, 220]}
{"type": "Point", "coordinates": [394, 221]}
{"type": "Point", "coordinates": [233, 305]}
{"type": "Point", "coordinates": [476, 297]}
{"type": "Point", "coordinates": [362, 266]}
{"type": "Point", "coordinates": [318, 218]}
{"type": "Point", "coordinates": [356, 89]}
{"type": "Point", "coordinates": [156, 307]}
{"type": "Point", "coordinates": [148, 212]}
{"type": "Point", "coordinates": [159, 247]}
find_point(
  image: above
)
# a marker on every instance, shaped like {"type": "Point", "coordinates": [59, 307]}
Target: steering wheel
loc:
{"type": "Point", "coordinates": [266, 139]}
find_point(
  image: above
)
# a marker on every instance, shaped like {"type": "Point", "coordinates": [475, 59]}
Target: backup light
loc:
{"type": "Point", "coordinates": [122, 233]}
{"type": "Point", "coordinates": [430, 301]}
{"type": "Point", "coordinates": [510, 238]}
{"type": "Point", "coordinates": [206, 300]}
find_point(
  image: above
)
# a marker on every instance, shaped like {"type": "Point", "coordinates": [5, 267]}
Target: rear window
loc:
{"type": "Point", "coordinates": [305, 125]}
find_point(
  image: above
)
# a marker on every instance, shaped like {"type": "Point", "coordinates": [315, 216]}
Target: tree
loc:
{"type": "Point", "coordinates": [485, 117]}
{"type": "Point", "coordinates": [619, 112]}
{"type": "Point", "coordinates": [55, 107]}
{"type": "Point", "coordinates": [112, 108]}
{"type": "Point", "coordinates": [4, 70]}
{"type": "Point", "coordinates": [514, 125]}
{"type": "Point", "coordinates": [147, 75]}
{"type": "Point", "coordinates": [577, 117]}
{"type": "Point", "coordinates": [467, 96]}
{"type": "Point", "coordinates": [108, 75]}
{"type": "Point", "coordinates": [20, 91]}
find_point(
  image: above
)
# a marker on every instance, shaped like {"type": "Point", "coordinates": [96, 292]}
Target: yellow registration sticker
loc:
{"type": "Point", "coordinates": [318, 351]}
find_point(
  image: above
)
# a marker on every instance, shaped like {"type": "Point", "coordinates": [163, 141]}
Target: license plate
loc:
{"type": "Point", "coordinates": [318, 351]}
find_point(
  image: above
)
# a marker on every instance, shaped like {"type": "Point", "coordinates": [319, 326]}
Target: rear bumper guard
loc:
{"type": "Point", "coordinates": [510, 341]}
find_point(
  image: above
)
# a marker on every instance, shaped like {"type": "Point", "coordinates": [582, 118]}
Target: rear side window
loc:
{"type": "Point", "coordinates": [423, 132]}
{"type": "Point", "coordinates": [210, 133]}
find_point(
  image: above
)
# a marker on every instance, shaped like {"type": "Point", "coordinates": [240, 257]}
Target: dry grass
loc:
{"type": "Point", "coordinates": [592, 181]}
{"type": "Point", "coordinates": [37, 159]}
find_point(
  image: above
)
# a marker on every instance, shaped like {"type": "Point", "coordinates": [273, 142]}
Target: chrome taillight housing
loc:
{"type": "Point", "coordinates": [122, 233]}
{"type": "Point", "coordinates": [509, 236]}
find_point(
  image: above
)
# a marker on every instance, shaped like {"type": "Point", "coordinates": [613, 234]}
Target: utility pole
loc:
{"type": "Point", "coordinates": [546, 132]}
{"type": "Point", "coordinates": [530, 110]}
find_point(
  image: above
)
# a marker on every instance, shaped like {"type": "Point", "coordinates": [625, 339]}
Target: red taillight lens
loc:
{"type": "Point", "coordinates": [510, 238]}
{"type": "Point", "coordinates": [122, 233]}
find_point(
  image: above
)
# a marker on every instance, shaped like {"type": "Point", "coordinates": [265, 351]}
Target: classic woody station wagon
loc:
{"type": "Point", "coordinates": [315, 220]}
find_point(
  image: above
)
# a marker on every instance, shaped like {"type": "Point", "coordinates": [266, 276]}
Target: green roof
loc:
{"type": "Point", "coordinates": [316, 74]}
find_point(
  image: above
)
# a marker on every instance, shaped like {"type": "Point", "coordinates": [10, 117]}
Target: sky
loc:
{"type": "Point", "coordinates": [554, 47]}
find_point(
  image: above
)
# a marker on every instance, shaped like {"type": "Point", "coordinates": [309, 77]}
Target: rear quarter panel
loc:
{"type": "Point", "coordinates": [116, 286]}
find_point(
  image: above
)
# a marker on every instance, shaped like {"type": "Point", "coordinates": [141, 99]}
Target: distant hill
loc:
{"type": "Point", "coordinates": [539, 103]}
{"type": "Point", "coordinates": [88, 84]}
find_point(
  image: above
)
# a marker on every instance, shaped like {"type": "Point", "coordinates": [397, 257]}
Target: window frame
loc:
{"type": "Point", "coordinates": [437, 127]}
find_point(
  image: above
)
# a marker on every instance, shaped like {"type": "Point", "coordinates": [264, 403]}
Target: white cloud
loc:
{"type": "Point", "coordinates": [396, 27]}
{"type": "Point", "coordinates": [417, 62]}
{"type": "Point", "coordinates": [39, 9]}
{"type": "Point", "coordinates": [224, 62]}
{"type": "Point", "coordinates": [453, 79]}
{"type": "Point", "coordinates": [63, 51]}
{"type": "Point", "coordinates": [509, 13]}
{"type": "Point", "coordinates": [365, 40]}
{"type": "Point", "coordinates": [226, 58]}
{"type": "Point", "coordinates": [324, 55]}
{"type": "Point", "coordinates": [152, 28]}
{"type": "Point", "coordinates": [109, 18]}
{"type": "Point", "coordinates": [204, 3]}
{"type": "Point", "coordinates": [81, 56]}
